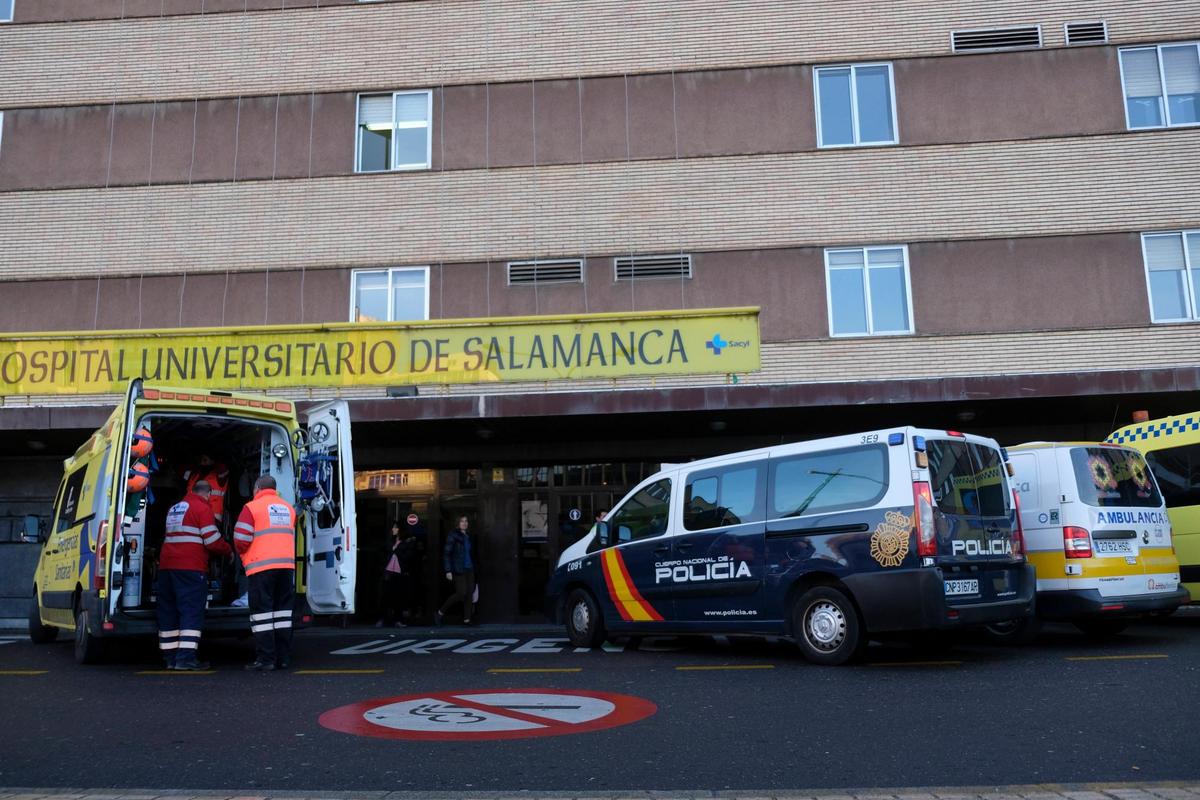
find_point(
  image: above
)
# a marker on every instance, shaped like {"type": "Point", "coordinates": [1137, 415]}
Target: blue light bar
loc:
{"type": "Point", "coordinates": [919, 444]}
{"type": "Point", "coordinates": [895, 438]}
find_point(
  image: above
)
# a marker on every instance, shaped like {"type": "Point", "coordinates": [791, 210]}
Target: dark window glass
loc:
{"type": "Point", "coordinates": [829, 481]}
{"type": "Point", "coordinates": [726, 496]}
{"type": "Point", "coordinates": [967, 479]}
{"type": "Point", "coordinates": [990, 483]}
{"type": "Point", "coordinates": [643, 516]}
{"type": "Point", "coordinates": [1177, 470]}
{"type": "Point", "coordinates": [1107, 476]}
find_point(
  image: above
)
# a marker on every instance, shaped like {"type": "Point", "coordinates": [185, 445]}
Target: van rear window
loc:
{"type": "Point", "coordinates": [833, 480]}
{"type": "Point", "coordinates": [967, 479]}
{"type": "Point", "coordinates": [1108, 476]}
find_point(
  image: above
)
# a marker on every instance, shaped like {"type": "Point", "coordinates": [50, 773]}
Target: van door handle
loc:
{"type": "Point", "coordinates": [661, 551]}
{"type": "Point", "coordinates": [685, 545]}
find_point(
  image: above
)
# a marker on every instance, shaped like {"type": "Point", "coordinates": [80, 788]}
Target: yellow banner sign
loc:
{"type": "Point", "coordinates": [386, 354]}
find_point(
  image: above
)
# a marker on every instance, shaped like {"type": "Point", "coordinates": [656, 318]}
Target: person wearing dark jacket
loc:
{"type": "Point", "coordinates": [392, 587]}
{"type": "Point", "coordinates": [460, 568]}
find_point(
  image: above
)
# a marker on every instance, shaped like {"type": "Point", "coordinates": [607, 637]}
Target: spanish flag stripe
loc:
{"type": "Point", "coordinates": [608, 581]}
{"type": "Point", "coordinates": [637, 596]}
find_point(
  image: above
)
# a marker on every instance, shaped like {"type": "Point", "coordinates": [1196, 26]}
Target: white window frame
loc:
{"type": "Point", "coordinates": [854, 104]}
{"type": "Point", "coordinates": [391, 294]}
{"type": "Point", "coordinates": [1162, 85]}
{"type": "Point", "coordinates": [1189, 289]}
{"type": "Point", "coordinates": [12, 12]}
{"type": "Point", "coordinates": [428, 126]}
{"type": "Point", "coordinates": [908, 294]}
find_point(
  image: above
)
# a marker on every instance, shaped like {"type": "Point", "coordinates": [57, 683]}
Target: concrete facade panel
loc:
{"type": "Point", "coordinates": [55, 147]}
{"type": "Point", "coordinates": [558, 122]}
{"type": "Point", "coordinates": [466, 291]}
{"type": "Point", "coordinates": [450, 42]}
{"type": "Point", "coordinates": [1060, 282]}
{"type": "Point", "coordinates": [463, 137]}
{"type": "Point", "coordinates": [293, 135]}
{"type": "Point", "coordinates": [993, 96]}
{"type": "Point", "coordinates": [216, 140]}
{"type": "Point", "coordinates": [174, 134]}
{"type": "Point", "coordinates": [1042, 187]}
{"type": "Point", "coordinates": [651, 116]}
{"type": "Point", "coordinates": [326, 295]}
{"type": "Point", "coordinates": [333, 133]}
{"type": "Point", "coordinates": [255, 154]}
{"type": "Point", "coordinates": [745, 111]}
{"type": "Point", "coordinates": [132, 143]}
{"type": "Point", "coordinates": [48, 306]}
{"type": "Point", "coordinates": [203, 300]}
{"type": "Point", "coordinates": [605, 135]}
{"type": "Point", "coordinates": [247, 300]}
{"type": "Point", "coordinates": [510, 124]}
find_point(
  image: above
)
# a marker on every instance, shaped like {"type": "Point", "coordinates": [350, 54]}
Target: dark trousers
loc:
{"type": "Point", "coordinates": [464, 590]}
{"type": "Point", "coordinates": [393, 596]}
{"type": "Point", "coordinates": [272, 593]}
{"type": "Point", "coordinates": [182, 596]}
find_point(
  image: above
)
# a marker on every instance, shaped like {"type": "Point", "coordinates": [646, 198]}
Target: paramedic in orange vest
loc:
{"type": "Point", "coordinates": [183, 577]}
{"type": "Point", "coordinates": [217, 477]}
{"type": "Point", "coordinates": [265, 536]}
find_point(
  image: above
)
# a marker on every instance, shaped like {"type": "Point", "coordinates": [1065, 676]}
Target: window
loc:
{"type": "Point", "coordinates": [643, 516]}
{"type": "Point", "coordinates": [1173, 275]}
{"type": "Point", "coordinates": [967, 479]}
{"type": "Point", "coordinates": [393, 131]}
{"type": "Point", "coordinates": [1109, 477]}
{"type": "Point", "coordinates": [868, 291]}
{"type": "Point", "coordinates": [1177, 470]}
{"type": "Point", "coordinates": [725, 496]}
{"type": "Point", "coordinates": [389, 295]}
{"type": "Point", "coordinates": [828, 481]}
{"type": "Point", "coordinates": [1150, 74]}
{"type": "Point", "coordinates": [855, 105]}
{"type": "Point", "coordinates": [6, 10]}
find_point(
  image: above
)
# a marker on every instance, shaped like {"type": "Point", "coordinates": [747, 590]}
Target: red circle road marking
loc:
{"type": "Point", "coordinates": [447, 716]}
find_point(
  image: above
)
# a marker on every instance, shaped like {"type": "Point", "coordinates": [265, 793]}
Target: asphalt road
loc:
{"type": "Point", "coordinates": [755, 717]}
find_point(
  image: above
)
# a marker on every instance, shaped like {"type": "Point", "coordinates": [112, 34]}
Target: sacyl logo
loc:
{"type": "Point", "coordinates": [717, 344]}
{"type": "Point", "coordinates": [995, 547]}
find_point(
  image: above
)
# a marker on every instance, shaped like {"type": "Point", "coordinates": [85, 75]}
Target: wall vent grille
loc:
{"type": "Point", "coordinates": [984, 39]}
{"type": "Point", "coordinates": [559, 270]}
{"type": "Point", "coordinates": [634, 268]}
{"type": "Point", "coordinates": [1087, 32]}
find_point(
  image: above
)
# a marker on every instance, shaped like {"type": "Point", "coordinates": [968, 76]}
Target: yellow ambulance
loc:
{"type": "Point", "coordinates": [1096, 531]}
{"type": "Point", "coordinates": [1171, 446]}
{"type": "Point", "coordinates": [96, 574]}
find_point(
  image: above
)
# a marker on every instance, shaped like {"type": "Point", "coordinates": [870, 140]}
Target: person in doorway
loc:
{"type": "Point", "coordinates": [265, 536]}
{"type": "Point", "coordinates": [600, 515]}
{"type": "Point", "coordinates": [392, 583]}
{"type": "Point", "coordinates": [191, 537]}
{"type": "Point", "coordinates": [411, 556]}
{"type": "Point", "coordinates": [460, 569]}
{"type": "Point", "coordinates": [216, 476]}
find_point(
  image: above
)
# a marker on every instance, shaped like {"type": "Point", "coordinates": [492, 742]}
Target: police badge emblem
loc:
{"type": "Point", "coordinates": [889, 542]}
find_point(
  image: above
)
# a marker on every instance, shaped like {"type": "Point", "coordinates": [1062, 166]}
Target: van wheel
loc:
{"type": "Point", "coordinates": [87, 646]}
{"type": "Point", "coordinates": [585, 625]}
{"type": "Point", "coordinates": [39, 633]}
{"type": "Point", "coordinates": [1101, 628]}
{"type": "Point", "coordinates": [827, 627]}
{"type": "Point", "coordinates": [1014, 632]}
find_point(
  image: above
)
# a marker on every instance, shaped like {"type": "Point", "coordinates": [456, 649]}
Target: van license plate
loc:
{"type": "Point", "coordinates": [962, 587]}
{"type": "Point", "coordinates": [1114, 546]}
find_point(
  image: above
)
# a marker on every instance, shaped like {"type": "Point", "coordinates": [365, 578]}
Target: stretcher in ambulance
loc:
{"type": "Point", "coordinates": [96, 574]}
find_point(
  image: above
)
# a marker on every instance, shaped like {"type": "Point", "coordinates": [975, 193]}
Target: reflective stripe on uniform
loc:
{"type": "Point", "coordinates": [262, 616]}
{"type": "Point", "coordinates": [283, 623]}
{"type": "Point", "coordinates": [266, 626]}
{"type": "Point", "coordinates": [181, 539]}
{"type": "Point", "coordinates": [284, 613]}
{"type": "Point", "coordinates": [188, 645]}
{"type": "Point", "coordinates": [212, 538]}
{"type": "Point", "coordinates": [208, 529]}
{"type": "Point", "coordinates": [244, 526]}
{"type": "Point", "coordinates": [243, 537]}
{"type": "Point", "coordinates": [167, 634]}
{"type": "Point", "coordinates": [269, 531]}
{"type": "Point", "coordinates": [188, 632]}
{"type": "Point", "coordinates": [168, 645]}
{"type": "Point", "coordinates": [268, 561]}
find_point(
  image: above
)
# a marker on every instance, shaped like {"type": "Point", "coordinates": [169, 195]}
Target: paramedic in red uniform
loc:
{"type": "Point", "coordinates": [183, 576]}
{"type": "Point", "coordinates": [217, 477]}
{"type": "Point", "coordinates": [265, 536]}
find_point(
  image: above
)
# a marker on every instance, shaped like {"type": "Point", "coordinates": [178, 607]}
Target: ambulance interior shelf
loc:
{"type": "Point", "coordinates": [246, 448]}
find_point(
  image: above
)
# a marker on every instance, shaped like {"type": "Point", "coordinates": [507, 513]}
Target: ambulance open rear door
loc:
{"type": "Point", "coordinates": [327, 503]}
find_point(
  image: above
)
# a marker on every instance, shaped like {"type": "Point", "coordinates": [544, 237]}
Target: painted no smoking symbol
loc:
{"type": "Point", "coordinates": [484, 715]}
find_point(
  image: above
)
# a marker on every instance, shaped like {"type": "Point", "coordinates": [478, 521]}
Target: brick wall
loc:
{"type": "Point", "coordinates": [418, 44]}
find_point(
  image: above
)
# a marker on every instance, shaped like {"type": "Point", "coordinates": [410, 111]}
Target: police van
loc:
{"type": "Point", "coordinates": [1097, 532]}
{"type": "Point", "coordinates": [829, 542]}
{"type": "Point", "coordinates": [96, 574]}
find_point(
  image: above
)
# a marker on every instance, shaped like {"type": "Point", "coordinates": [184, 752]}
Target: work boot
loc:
{"type": "Point", "coordinates": [260, 666]}
{"type": "Point", "coordinates": [191, 666]}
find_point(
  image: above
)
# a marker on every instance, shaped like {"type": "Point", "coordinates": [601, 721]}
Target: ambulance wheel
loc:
{"type": "Point", "coordinates": [87, 646]}
{"type": "Point", "coordinates": [1013, 632]}
{"type": "Point", "coordinates": [585, 625]}
{"type": "Point", "coordinates": [827, 627]}
{"type": "Point", "coordinates": [39, 633]}
{"type": "Point", "coordinates": [1101, 628]}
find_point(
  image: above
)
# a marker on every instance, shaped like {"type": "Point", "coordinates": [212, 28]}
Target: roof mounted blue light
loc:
{"type": "Point", "coordinates": [895, 438]}
{"type": "Point", "coordinates": [919, 444]}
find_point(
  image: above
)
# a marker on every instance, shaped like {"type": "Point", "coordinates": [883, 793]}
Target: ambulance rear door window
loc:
{"type": "Point", "coordinates": [828, 481]}
{"type": "Point", "coordinates": [1113, 478]}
